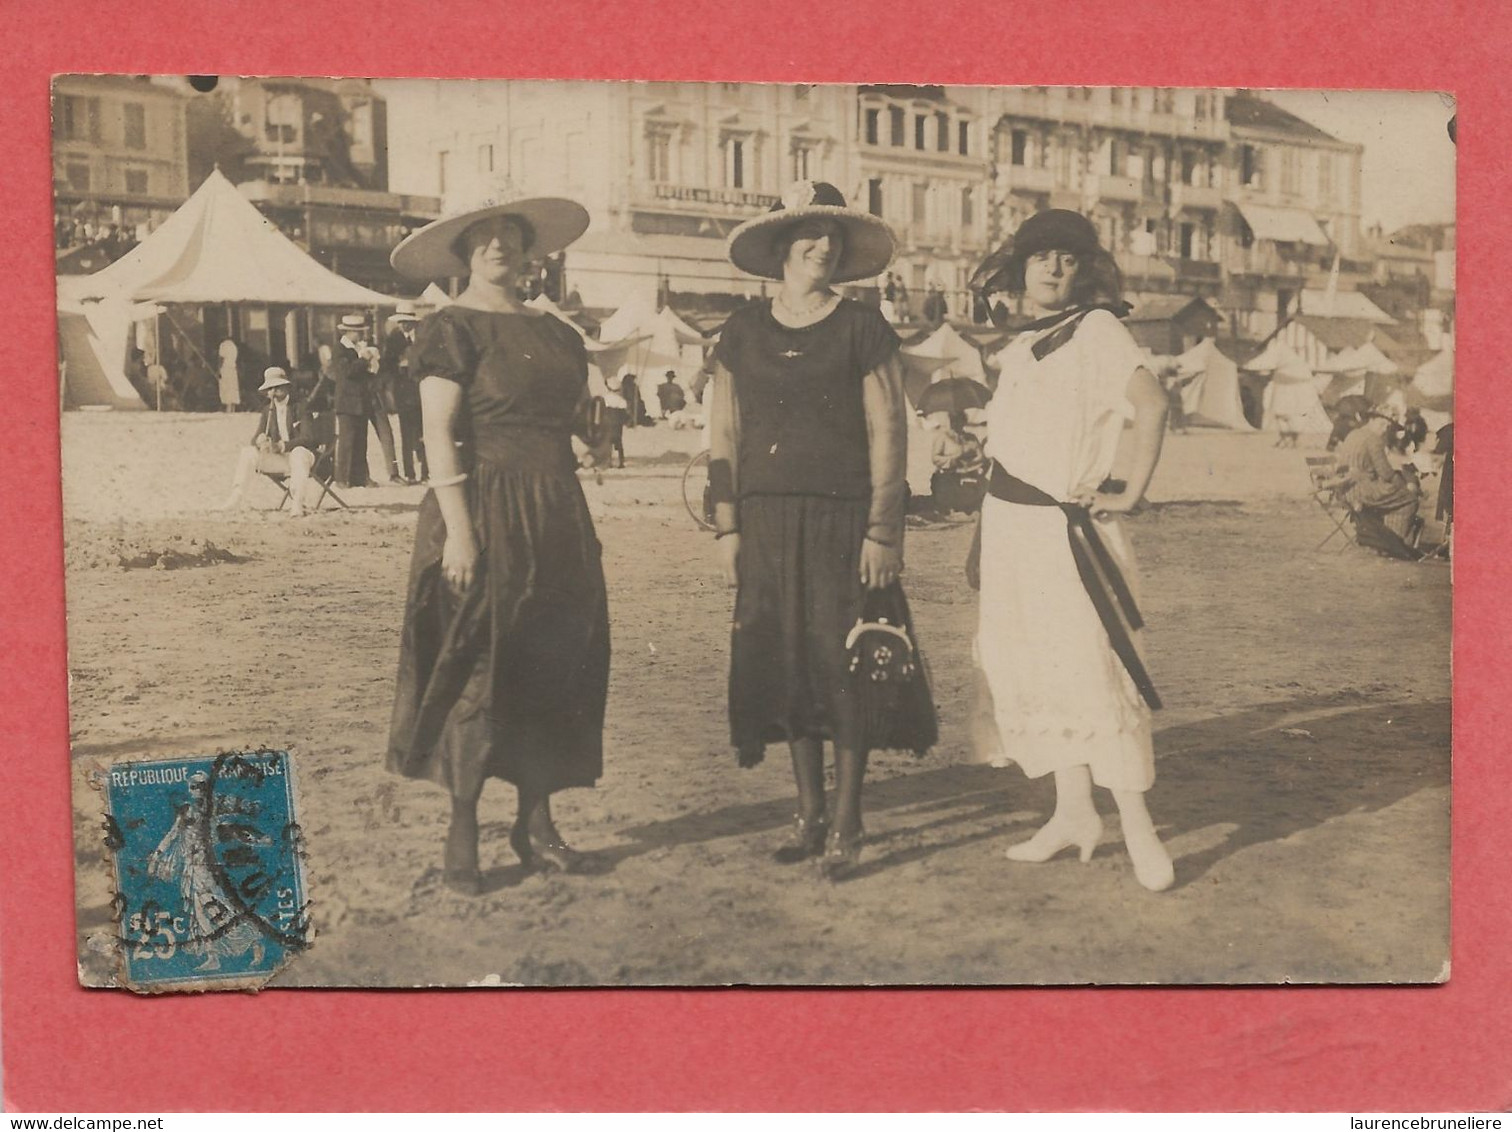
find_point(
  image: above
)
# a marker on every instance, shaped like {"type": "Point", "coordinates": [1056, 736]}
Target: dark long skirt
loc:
{"type": "Point", "coordinates": [800, 595]}
{"type": "Point", "coordinates": [509, 681]}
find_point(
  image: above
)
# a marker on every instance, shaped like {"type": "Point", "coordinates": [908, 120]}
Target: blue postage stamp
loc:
{"type": "Point", "coordinates": [210, 887]}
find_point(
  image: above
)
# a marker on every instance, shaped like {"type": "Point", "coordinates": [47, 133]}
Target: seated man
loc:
{"type": "Point", "coordinates": [670, 395]}
{"type": "Point", "coordinates": [284, 443]}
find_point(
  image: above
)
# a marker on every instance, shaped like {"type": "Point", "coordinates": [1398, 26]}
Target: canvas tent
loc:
{"type": "Point", "coordinates": [1292, 391]}
{"type": "Point", "coordinates": [434, 297]}
{"type": "Point", "coordinates": [963, 359]}
{"type": "Point", "coordinates": [1211, 395]}
{"type": "Point", "coordinates": [659, 340]}
{"type": "Point", "coordinates": [1432, 387]}
{"type": "Point", "coordinates": [93, 338]}
{"type": "Point", "coordinates": [217, 248]}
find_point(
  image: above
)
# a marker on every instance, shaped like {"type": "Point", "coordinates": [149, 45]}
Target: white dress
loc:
{"type": "Point", "coordinates": [1060, 695]}
{"type": "Point", "coordinates": [229, 387]}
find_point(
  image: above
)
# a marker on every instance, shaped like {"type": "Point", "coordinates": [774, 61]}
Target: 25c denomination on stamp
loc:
{"type": "Point", "coordinates": [210, 887]}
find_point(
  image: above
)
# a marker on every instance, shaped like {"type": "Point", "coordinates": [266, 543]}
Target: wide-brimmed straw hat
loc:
{"type": "Point", "coordinates": [273, 377]}
{"type": "Point", "coordinates": [869, 245]}
{"type": "Point", "coordinates": [404, 311]}
{"type": "Point", "coordinates": [353, 322]}
{"type": "Point", "coordinates": [432, 253]}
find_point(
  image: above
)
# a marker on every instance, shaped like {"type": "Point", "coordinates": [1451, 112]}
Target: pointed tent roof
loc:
{"type": "Point", "coordinates": [543, 303]}
{"type": "Point", "coordinates": [1435, 377]}
{"type": "Point", "coordinates": [1212, 396]}
{"type": "Point", "coordinates": [433, 296]}
{"type": "Point", "coordinates": [948, 342]}
{"type": "Point", "coordinates": [217, 248]}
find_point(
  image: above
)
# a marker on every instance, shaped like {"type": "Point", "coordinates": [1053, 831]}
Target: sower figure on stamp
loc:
{"type": "Point", "coordinates": [284, 443]}
{"type": "Point", "coordinates": [808, 441]}
{"type": "Point", "coordinates": [504, 662]}
{"type": "Point", "coordinates": [1057, 635]}
{"type": "Point", "coordinates": [183, 858]}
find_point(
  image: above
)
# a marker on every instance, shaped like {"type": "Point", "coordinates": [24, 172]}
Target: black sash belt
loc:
{"type": "Point", "coordinates": [1099, 573]}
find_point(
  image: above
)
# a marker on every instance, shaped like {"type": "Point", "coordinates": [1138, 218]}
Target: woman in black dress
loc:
{"type": "Point", "coordinates": [504, 665]}
{"type": "Point", "coordinates": [808, 444]}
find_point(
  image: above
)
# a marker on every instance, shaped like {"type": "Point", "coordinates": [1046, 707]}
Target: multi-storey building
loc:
{"type": "Point", "coordinates": [120, 163]}
{"type": "Point", "coordinates": [1145, 164]}
{"type": "Point", "coordinates": [312, 154]}
{"type": "Point", "coordinates": [1208, 193]}
{"type": "Point", "coordinates": [1295, 212]}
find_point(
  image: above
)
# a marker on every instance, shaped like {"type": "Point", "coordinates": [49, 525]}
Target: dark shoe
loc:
{"type": "Point", "coordinates": [841, 854]}
{"type": "Point", "coordinates": [548, 856]}
{"type": "Point", "coordinates": [807, 840]}
{"type": "Point", "coordinates": [468, 882]}
{"type": "Point", "coordinates": [460, 873]}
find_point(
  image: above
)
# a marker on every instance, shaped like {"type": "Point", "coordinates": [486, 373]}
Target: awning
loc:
{"type": "Point", "coordinates": [1283, 225]}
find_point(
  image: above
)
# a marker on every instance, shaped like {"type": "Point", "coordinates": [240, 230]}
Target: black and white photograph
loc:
{"type": "Point", "coordinates": [725, 533]}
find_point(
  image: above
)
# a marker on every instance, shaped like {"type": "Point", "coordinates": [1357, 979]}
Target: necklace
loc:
{"type": "Point", "coordinates": [808, 309]}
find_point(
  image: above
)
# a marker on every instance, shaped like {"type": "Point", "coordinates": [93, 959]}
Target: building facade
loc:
{"type": "Point", "coordinates": [1208, 193]}
{"type": "Point", "coordinates": [120, 158]}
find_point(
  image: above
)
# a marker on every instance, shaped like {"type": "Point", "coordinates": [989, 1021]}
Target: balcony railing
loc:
{"type": "Point", "coordinates": [1023, 178]}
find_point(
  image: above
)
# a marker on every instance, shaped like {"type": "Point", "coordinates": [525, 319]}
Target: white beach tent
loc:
{"type": "Point", "coordinates": [217, 248]}
{"type": "Point", "coordinates": [963, 358]}
{"type": "Point", "coordinates": [1211, 396]}
{"type": "Point", "coordinates": [434, 297]}
{"type": "Point", "coordinates": [93, 337]}
{"type": "Point", "coordinates": [1432, 387]}
{"type": "Point", "coordinates": [1292, 392]}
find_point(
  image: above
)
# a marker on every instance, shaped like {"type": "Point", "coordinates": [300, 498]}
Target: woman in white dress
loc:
{"type": "Point", "coordinates": [228, 383]}
{"type": "Point", "coordinates": [1058, 624]}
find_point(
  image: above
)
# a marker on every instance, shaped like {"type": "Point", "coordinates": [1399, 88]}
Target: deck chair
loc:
{"type": "Point", "coordinates": [1330, 491]}
{"type": "Point", "coordinates": [324, 471]}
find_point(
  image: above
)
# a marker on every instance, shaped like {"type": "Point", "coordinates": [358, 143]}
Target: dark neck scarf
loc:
{"type": "Point", "coordinates": [1066, 322]}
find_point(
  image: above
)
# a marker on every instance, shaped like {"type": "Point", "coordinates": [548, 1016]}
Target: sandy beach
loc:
{"type": "Point", "coordinates": [1303, 757]}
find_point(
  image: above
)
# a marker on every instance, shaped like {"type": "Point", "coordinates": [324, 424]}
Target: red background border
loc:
{"type": "Point", "coordinates": [1445, 1048]}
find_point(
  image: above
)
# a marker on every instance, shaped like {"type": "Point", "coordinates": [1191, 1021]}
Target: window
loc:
{"type": "Point", "coordinates": [942, 132]}
{"type": "Point", "coordinates": [963, 138]}
{"type": "Point", "coordinates": [362, 126]}
{"type": "Point", "coordinates": [78, 177]}
{"type": "Point", "coordinates": [281, 118]}
{"type": "Point", "coordinates": [968, 211]}
{"type": "Point", "coordinates": [441, 156]}
{"type": "Point", "coordinates": [136, 180]}
{"type": "Point", "coordinates": [485, 159]}
{"type": "Point", "coordinates": [734, 163]}
{"type": "Point", "coordinates": [874, 196]}
{"type": "Point", "coordinates": [1115, 96]}
{"type": "Point", "coordinates": [1251, 167]}
{"type": "Point", "coordinates": [1188, 167]}
{"type": "Point", "coordinates": [920, 203]}
{"type": "Point", "coordinates": [895, 121]}
{"type": "Point", "coordinates": [1289, 170]}
{"type": "Point", "coordinates": [1019, 143]}
{"type": "Point", "coordinates": [1202, 107]}
{"type": "Point", "coordinates": [1325, 175]}
{"type": "Point", "coordinates": [801, 163]}
{"type": "Point", "coordinates": [78, 118]}
{"type": "Point", "coordinates": [873, 126]}
{"type": "Point", "coordinates": [919, 120]}
{"type": "Point", "coordinates": [136, 125]}
{"type": "Point", "coordinates": [658, 157]}
{"type": "Point", "coordinates": [1188, 237]}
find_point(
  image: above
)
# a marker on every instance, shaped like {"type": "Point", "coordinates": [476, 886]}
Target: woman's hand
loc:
{"type": "Point", "coordinates": [1104, 504]}
{"type": "Point", "coordinates": [729, 559]}
{"type": "Point", "coordinates": [880, 565]}
{"type": "Point", "coordinates": [459, 560]}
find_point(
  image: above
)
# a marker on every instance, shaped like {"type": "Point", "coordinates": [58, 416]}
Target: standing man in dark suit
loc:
{"type": "Point", "coordinates": [352, 379]}
{"type": "Point", "coordinates": [394, 371]}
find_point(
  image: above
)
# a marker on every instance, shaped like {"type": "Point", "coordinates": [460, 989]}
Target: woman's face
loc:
{"type": "Point", "coordinates": [1048, 279]}
{"type": "Point", "coordinates": [815, 251]}
{"type": "Point", "coordinates": [495, 249]}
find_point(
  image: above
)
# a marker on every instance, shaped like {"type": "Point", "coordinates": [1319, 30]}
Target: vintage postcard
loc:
{"type": "Point", "coordinates": [673, 533]}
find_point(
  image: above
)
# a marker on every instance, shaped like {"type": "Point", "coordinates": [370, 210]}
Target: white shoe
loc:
{"type": "Point", "coordinates": [1152, 863]}
{"type": "Point", "coordinates": [1056, 835]}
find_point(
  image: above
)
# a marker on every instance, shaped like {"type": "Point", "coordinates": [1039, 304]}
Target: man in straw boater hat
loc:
{"type": "Point", "coordinates": [504, 655]}
{"type": "Point", "coordinates": [351, 377]}
{"type": "Point", "coordinates": [808, 437]}
{"type": "Point", "coordinates": [284, 443]}
{"type": "Point", "coordinates": [394, 373]}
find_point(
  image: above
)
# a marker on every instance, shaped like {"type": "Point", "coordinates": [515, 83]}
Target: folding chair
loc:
{"type": "Point", "coordinates": [1331, 493]}
{"type": "Point", "coordinates": [324, 470]}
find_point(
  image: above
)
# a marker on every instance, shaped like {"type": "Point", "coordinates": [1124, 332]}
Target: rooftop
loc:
{"type": "Point", "coordinates": [1246, 110]}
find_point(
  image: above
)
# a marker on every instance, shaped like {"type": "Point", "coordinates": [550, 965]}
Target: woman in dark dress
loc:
{"type": "Point", "coordinates": [504, 665]}
{"type": "Point", "coordinates": [808, 443]}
